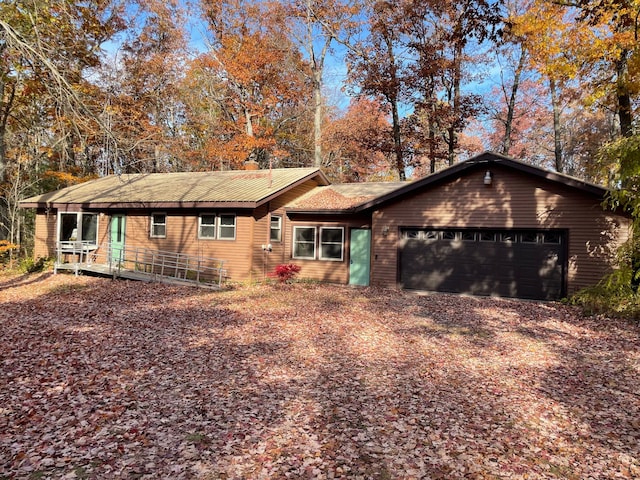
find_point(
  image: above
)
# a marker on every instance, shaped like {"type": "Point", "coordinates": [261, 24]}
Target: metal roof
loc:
{"type": "Point", "coordinates": [237, 188]}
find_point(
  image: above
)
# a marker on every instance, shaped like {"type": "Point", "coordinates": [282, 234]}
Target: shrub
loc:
{"type": "Point", "coordinates": [29, 265]}
{"type": "Point", "coordinates": [286, 272]}
{"type": "Point", "coordinates": [614, 296]}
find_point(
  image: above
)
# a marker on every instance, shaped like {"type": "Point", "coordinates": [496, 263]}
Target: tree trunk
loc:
{"type": "Point", "coordinates": [397, 139]}
{"type": "Point", "coordinates": [508, 126]}
{"type": "Point", "coordinates": [625, 114]}
{"type": "Point", "coordinates": [392, 98]}
{"type": "Point", "coordinates": [317, 67]}
{"type": "Point", "coordinates": [317, 117]}
{"type": "Point", "coordinates": [453, 133]}
{"type": "Point", "coordinates": [557, 129]}
{"type": "Point", "coordinates": [6, 103]}
{"type": "Point", "coordinates": [432, 141]}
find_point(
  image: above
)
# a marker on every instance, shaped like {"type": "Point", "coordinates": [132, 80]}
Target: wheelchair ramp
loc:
{"type": "Point", "coordinates": [138, 263]}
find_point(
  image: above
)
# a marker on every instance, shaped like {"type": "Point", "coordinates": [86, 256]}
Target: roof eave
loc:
{"type": "Point", "coordinates": [139, 205]}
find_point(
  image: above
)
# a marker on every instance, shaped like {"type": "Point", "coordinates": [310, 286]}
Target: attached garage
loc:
{"type": "Point", "coordinates": [489, 225]}
{"type": "Point", "coordinates": [509, 263]}
{"type": "Point", "coordinates": [495, 226]}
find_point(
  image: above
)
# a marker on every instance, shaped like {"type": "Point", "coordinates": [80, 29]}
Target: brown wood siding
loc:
{"type": "Point", "coordinates": [324, 270]}
{"type": "Point", "coordinates": [244, 258]}
{"type": "Point", "coordinates": [512, 201]}
{"type": "Point", "coordinates": [266, 262]}
{"type": "Point", "coordinates": [260, 257]}
{"type": "Point", "coordinates": [182, 236]}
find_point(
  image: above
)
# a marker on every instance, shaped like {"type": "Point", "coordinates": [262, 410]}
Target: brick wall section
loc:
{"type": "Point", "coordinates": [512, 201]}
{"type": "Point", "coordinates": [44, 242]}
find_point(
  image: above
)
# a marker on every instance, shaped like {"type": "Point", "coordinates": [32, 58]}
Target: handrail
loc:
{"type": "Point", "coordinates": [157, 264]}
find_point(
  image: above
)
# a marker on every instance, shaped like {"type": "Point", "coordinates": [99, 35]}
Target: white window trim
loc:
{"type": "Point", "coordinates": [220, 226]}
{"type": "Point", "coordinates": [294, 242]}
{"type": "Point", "coordinates": [321, 243]}
{"type": "Point", "coordinates": [271, 219]}
{"type": "Point", "coordinates": [215, 226]}
{"type": "Point", "coordinates": [151, 225]}
{"type": "Point", "coordinates": [78, 227]}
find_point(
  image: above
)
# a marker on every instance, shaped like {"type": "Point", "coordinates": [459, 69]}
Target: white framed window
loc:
{"type": "Point", "coordinates": [226, 227]}
{"type": "Point", "coordinates": [207, 226]}
{"type": "Point", "coordinates": [331, 243]}
{"type": "Point", "coordinates": [275, 229]}
{"type": "Point", "coordinates": [158, 225]}
{"type": "Point", "coordinates": [78, 227]}
{"type": "Point", "coordinates": [304, 242]}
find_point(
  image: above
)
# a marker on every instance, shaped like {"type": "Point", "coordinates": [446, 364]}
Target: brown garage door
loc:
{"type": "Point", "coordinates": [506, 263]}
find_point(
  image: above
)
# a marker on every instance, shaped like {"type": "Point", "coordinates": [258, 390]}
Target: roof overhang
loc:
{"type": "Point", "coordinates": [140, 205]}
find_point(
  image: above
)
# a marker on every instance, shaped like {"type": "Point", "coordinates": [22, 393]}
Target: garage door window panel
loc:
{"type": "Point", "coordinates": [488, 236]}
{"type": "Point", "coordinates": [507, 237]}
{"type": "Point", "coordinates": [529, 237]}
{"type": "Point", "coordinates": [468, 236]}
{"type": "Point", "coordinates": [553, 238]}
{"type": "Point", "coordinates": [449, 235]}
{"type": "Point", "coordinates": [411, 234]}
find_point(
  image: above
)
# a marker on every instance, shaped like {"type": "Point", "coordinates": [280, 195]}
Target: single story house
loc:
{"type": "Point", "coordinates": [490, 225]}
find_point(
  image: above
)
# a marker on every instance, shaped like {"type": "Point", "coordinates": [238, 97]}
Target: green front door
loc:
{"type": "Point", "coordinates": [117, 237]}
{"type": "Point", "coordinates": [360, 257]}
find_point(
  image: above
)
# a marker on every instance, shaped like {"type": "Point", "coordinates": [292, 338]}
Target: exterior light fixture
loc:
{"type": "Point", "coordinates": [385, 230]}
{"type": "Point", "coordinates": [488, 178]}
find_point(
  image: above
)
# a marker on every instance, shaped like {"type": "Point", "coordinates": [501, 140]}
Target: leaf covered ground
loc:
{"type": "Point", "coordinates": [115, 379]}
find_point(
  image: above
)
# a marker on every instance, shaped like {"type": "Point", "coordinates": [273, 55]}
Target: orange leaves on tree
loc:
{"type": "Point", "coordinates": [244, 83]}
{"type": "Point", "coordinates": [359, 142]}
{"type": "Point", "coordinates": [66, 179]}
{"type": "Point", "coordinates": [6, 246]}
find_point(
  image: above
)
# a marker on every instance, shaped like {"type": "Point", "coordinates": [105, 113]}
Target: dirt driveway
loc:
{"type": "Point", "coordinates": [103, 379]}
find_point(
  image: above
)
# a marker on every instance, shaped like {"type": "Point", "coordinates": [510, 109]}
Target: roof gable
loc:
{"type": "Point", "coordinates": [482, 161]}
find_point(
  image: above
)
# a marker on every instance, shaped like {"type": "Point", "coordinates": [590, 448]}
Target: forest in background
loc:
{"type": "Point", "coordinates": [96, 87]}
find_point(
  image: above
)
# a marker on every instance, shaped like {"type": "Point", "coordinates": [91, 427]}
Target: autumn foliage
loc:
{"type": "Point", "coordinates": [365, 90]}
{"type": "Point", "coordinates": [6, 246]}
